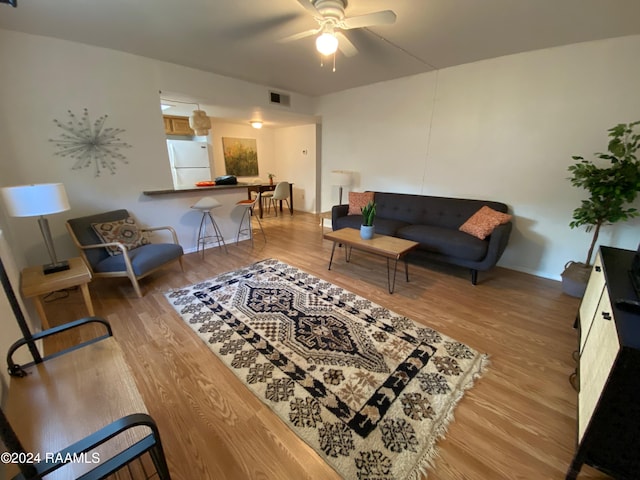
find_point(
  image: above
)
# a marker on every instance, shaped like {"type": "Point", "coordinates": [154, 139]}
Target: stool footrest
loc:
{"type": "Point", "coordinates": [205, 238]}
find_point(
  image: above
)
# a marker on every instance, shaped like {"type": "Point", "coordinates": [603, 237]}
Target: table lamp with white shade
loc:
{"type": "Point", "coordinates": [341, 178]}
{"type": "Point", "coordinates": [38, 201]}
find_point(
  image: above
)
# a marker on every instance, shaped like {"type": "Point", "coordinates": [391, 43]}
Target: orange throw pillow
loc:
{"type": "Point", "coordinates": [483, 222]}
{"type": "Point", "coordinates": [358, 200]}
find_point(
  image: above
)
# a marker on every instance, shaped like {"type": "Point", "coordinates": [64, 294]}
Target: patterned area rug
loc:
{"type": "Point", "coordinates": [370, 390]}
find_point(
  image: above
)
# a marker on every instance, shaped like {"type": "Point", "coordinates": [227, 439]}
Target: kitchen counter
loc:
{"type": "Point", "coordinates": [195, 189]}
{"type": "Point", "coordinates": [174, 207]}
{"type": "Point", "coordinates": [258, 188]}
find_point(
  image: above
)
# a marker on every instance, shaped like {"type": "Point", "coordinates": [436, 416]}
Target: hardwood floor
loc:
{"type": "Point", "coordinates": [518, 422]}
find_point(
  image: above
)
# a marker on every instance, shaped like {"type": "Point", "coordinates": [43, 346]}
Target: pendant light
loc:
{"type": "Point", "coordinates": [200, 122]}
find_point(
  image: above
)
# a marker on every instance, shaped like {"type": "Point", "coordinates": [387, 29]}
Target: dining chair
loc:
{"type": "Point", "coordinates": [279, 194]}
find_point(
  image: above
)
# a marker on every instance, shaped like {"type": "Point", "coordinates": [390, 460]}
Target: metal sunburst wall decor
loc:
{"type": "Point", "coordinates": [90, 144]}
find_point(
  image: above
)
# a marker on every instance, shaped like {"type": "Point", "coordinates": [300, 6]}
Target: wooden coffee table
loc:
{"type": "Point", "coordinates": [391, 248]}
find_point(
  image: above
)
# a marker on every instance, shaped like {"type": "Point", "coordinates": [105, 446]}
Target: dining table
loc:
{"type": "Point", "coordinates": [268, 187]}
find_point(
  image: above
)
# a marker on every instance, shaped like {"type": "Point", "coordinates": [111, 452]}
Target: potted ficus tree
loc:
{"type": "Point", "coordinates": [612, 188]}
{"type": "Point", "coordinates": [368, 215]}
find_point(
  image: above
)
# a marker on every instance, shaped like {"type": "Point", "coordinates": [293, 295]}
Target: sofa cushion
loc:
{"type": "Point", "coordinates": [358, 200]}
{"type": "Point", "coordinates": [483, 222]}
{"type": "Point", "coordinates": [445, 241]}
{"type": "Point", "coordinates": [383, 226]}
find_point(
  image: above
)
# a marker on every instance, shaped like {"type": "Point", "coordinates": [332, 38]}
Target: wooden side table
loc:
{"type": "Point", "coordinates": [34, 284]}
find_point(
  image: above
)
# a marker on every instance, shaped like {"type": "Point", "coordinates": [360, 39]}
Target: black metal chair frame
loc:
{"type": "Point", "coordinates": [36, 471]}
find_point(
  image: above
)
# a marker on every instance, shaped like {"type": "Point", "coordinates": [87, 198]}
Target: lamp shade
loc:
{"type": "Point", "coordinates": [341, 178]}
{"type": "Point", "coordinates": [34, 200]}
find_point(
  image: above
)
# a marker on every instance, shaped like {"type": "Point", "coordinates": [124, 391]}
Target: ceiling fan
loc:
{"type": "Point", "coordinates": [331, 19]}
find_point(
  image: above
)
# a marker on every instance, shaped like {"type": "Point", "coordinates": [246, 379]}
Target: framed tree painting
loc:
{"type": "Point", "coordinates": [240, 156]}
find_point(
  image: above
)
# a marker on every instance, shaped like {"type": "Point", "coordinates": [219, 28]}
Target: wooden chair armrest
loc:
{"type": "Point", "coordinates": [171, 229]}
{"type": "Point", "coordinates": [103, 245]}
{"type": "Point", "coordinates": [17, 370]}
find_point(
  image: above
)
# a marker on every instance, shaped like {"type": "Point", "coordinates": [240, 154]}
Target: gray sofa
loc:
{"type": "Point", "coordinates": [434, 222]}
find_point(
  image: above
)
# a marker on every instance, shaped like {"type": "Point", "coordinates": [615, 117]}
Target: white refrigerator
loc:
{"type": "Point", "coordinates": [190, 162]}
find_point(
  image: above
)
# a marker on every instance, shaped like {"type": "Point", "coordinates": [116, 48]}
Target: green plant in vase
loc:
{"type": "Point", "coordinates": [368, 215]}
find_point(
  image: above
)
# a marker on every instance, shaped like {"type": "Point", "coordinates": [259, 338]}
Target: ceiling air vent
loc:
{"type": "Point", "coordinates": [279, 99]}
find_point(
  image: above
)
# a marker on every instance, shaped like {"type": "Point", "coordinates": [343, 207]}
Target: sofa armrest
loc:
{"type": "Point", "coordinates": [498, 241]}
{"type": "Point", "coordinates": [339, 211]}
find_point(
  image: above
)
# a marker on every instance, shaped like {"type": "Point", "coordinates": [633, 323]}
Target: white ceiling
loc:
{"type": "Point", "coordinates": [239, 38]}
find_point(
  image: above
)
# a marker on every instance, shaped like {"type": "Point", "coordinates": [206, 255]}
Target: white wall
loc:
{"type": "Point", "coordinates": [50, 77]}
{"type": "Point", "coordinates": [502, 129]}
{"type": "Point", "coordinates": [10, 332]}
{"type": "Point", "coordinates": [43, 78]}
{"type": "Point", "coordinates": [380, 132]}
{"type": "Point", "coordinates": [295, 149]}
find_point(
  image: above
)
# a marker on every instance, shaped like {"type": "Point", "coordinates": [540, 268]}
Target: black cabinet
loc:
{"type": "Point", "coordinates": [608, 433]}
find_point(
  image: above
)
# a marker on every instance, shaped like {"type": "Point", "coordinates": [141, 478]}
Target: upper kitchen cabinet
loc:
{"type": "Point", "coordinates": [177, 125]}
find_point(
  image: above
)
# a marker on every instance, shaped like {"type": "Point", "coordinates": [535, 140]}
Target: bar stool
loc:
{"type": "Point", "coordinates": [248, 213]}
{"type": "Point", "coordinates": [263, 195]}
{"type": "Point", "coordinates": [205, 205]}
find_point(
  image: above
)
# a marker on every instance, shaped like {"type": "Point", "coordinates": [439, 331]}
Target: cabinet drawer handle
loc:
{"type": "Point", "coordinates": [606, 315]}
{"type": "Point", "coordinates": [597, 268]}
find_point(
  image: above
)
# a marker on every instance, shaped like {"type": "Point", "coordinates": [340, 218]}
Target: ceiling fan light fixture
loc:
{"type": "Point", "coordinates": [327, 43]}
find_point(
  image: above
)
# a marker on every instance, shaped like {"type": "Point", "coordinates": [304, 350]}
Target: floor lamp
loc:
{"type": "Point", "coordinates": [341, 178]}
{"type": "Point", "coordinates": [38, 201]}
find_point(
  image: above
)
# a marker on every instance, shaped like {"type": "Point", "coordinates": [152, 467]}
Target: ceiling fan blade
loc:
{"type": "Point", "coordinates": [345, 45]}
{"type": "Point", "coordinates": [299, 36]}
{"type": "Point", "coordinates": [309, 7]}
{"type": "Point", "coordinates": [384, 17]}
{"type": "Point", "coordinates": [255, 29]}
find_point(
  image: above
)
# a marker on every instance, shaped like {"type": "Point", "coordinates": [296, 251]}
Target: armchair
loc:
{"type": "Point", "coordinates": [113, 258]}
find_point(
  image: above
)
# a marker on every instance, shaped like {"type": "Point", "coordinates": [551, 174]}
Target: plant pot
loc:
{"type": "Point", "coordinates": [575, 278]}
{"type": "Point", "coordinates": [271, 181]}
{"type": "Point", "coordinates": [366, 232]}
